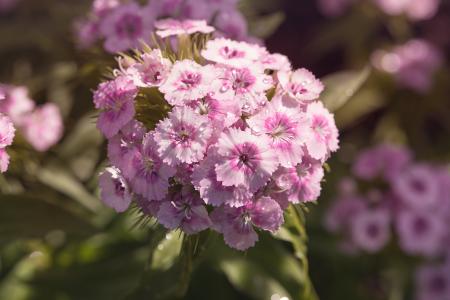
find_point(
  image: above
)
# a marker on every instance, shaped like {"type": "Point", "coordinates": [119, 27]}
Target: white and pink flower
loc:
{"type": "Point", "coordinates": [170, 27]}
{"type": "Point", "coordinates": [231, 53]}
{"type": "Point", "coordinates": [183, 136]}
{"type": "Point", "coordinates": [188, 81]}
{"type": "Point", "coordinates": [300, 84]}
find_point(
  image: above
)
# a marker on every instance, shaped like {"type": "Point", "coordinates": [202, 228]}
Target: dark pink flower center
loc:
{"type": "Point", "coordinates": [373, 230]}
{"type": "Point", "coordinates": [119, 187]}
{"type": "Point", "coordinates": [418, 185]}
{"type": "Point", "coordinates": [438, 283]}
{"type": "Point", "coordinates": [129, 26]}
{"type": "Point", "coordinates": [242, 80]}
{"type": "Point", "coordinates": [280, 127]}
{"type": "Point", "coordinates": [229, 53]}
{"type": "Point", "coordinates": [189, 80]}
{"type": "Point", "coordinates": [183, 134]}
{"type": "Point", "coordinates": [320, 127]}
{"type": "Point", "coordinates": [298, 89]}
{"type": "Point", "coordinates": [420, 226]}
{"type": "Point", "coordinates": [246, 157]}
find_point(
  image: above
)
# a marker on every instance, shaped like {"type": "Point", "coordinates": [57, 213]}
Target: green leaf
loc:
{"type": "Point", "coordinates": [173, 282]}
{"type": "Point", "coordinates": [341, 87]}
{"type": "Point", "coordinates": [364, 102]}
{"type": "Point", "coordinates": [265, 26]}
{"type": "Point", "coordinates": [251, 279]}
{"type": "Point", "coordinates": [80, 148]}
{"type": "Point", "coordinates": [57, 177]}
{"type": "Point", "coordinates": [24, 216]}
{"type": "Point", "coordinates": [294, 232]}
{"type": "Point", "coordinates": [167, 251]}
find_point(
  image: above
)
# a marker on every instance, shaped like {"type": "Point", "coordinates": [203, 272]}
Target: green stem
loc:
{"type": "Point", "coordinates": [298, 221]}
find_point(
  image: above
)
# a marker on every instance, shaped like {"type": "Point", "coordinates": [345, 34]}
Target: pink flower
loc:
{"type": "Point", "coordinates": [151, 176]}
{"type": "Point", "coordinates": [236, 224]}
{"type": "Point", "coordinates": [87, 32]}
{"type": "Point", "coordinates": [7, 131]}
{"type": "Point", "coordinates": [123, 146]}
{"type": "Point", "coordinates": [301, 85]}
{"type": "Point", "coordinates": [231, 23]}
{"type": "Point", "coordinates": [169, 27]}
{"type": "Point", "coordinates": [185, 211]}
{"type": "Point", "coordinates": [334, 8]}
{"type": "Point", "coordinates": [125, 27]}
{"type": "Point", "coordinates": [322, 134]}
{"type": "Point", "coordinates": [151, 71]}
{"type": "Point", "coordinates": [8, 5]}
{"type": "Point", "coordinates": [114, 190]}
{"type": "Point", "coordinates": [4, 160]}
{"type": "Point", "coordinates": [196, 9]}
{"type": "Point", "coordinates": [212, 191]}
{"type": "Point", "coordinates": [300, 183]}
{"type": "Point", "coordinates": [370, 229]}
{"type": "Point", "coordinates": [415, 10]}
{"type": "Point", "coordinates": [275, 61]}
{"type": "Point", "coordinates": [247, 160]}
{"type": "Point", "coordinates": [102, 7]}
{"type": "Point", "coordinates": [420, 233]}
{"type": "Point", "coordinates": [339, 215]}
{"type": "Point", "coordinates": [246, 85]}
{"type": "Point", "coordinates": [116, 100]}
{"type": "Point", "coordinates": [164, 7]}
{"type": "Point", "coordinates": [418, 186]}
{"type": "Point", "coordinates": [17, 103]}
{"type": "Point", "coordinates": [433, 282]}
{"type": "Point", "coordinates": [231, 53]}
{"type": "Point", "coordinates": [43, 127]}
{"type": "Point", "coordinates": [187, 81]}
{"type": "Point", "coordinates": [383, 160]}
{"type": "Point", "coordinates": [283, 126]}
{"type": "Point", "coordinates": [183, 136]}
{"type": "Point", "coordinates": [413, 64]}
{"type": "Point", "coordinates": [221, 113]}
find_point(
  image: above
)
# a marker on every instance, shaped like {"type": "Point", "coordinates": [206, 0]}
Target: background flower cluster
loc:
{"type": "Point", "coordinates": [124, 25]}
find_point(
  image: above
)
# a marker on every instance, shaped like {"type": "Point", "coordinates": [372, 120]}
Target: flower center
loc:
{"type": "Point", "coordinates": [420, 226]}
{"type": "Point", "coordinates": [244, 158]}
{"type": "Point", "coordinates": [129, 26]}
{"type": "Point", "coordinates": [119, 188]}
{"type": "Point", "coordinates": [189, 80]}
{"type": "Point", "coordinates": [298, 88]}
{"type": "Point", "coordinates": [229, 53]}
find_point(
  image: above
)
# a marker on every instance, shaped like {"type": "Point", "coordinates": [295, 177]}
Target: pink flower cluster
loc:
{"type": "Point", "coordinates": [243, 138]}
{"type": "Point", "coordinates": [41, 126]}
{"type": "Point", "coordinates": [393, 198]}
{"type": "Point", "coordinates": [413, 64]}
{"type": "Point", "coordinates": [124, 24]}
{"type": "Point", "coordinates": [7, 132]}
{"type": "Point", "coordinates": [415, 10]}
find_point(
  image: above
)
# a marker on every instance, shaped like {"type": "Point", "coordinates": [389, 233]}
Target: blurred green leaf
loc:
{"type": "Point", "coordinates": [110, 277]}
{"type": "Point", "coordinates": [252, 279]}
{"type": "Point", "coordinates": [24, 216]}
{"type": "Point", "coordinates": [294, 232]}
{"type": "Point", "coordinates": [167, 251]}
{"type": "Point", "coordinates": [80, 147]}
{"type": "Point", "coordinates": [341, 87]}
{"type": "Point", "coordinates": [57, 177]}
{"type": "Point", "coordinates": [362, 103]}
{"type": "Point", "coordinates": [265, 26]}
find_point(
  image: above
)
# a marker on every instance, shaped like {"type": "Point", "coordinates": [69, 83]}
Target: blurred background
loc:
{"type": "Point", "coordinates": [385, 65]}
